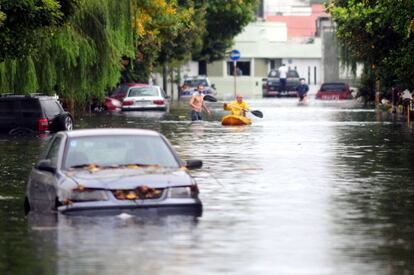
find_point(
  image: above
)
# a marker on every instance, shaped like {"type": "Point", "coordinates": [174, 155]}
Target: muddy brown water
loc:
{"type": "Point", "coordinates": [326, 188]}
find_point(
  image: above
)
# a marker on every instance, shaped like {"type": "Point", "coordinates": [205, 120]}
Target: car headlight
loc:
{"type": "Point", "coordinates": [180, 192]}
{"type": "Point", "coordinates": [86, 194]}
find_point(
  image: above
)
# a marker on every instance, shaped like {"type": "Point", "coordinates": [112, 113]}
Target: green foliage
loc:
{"type": "Point", "coordinates": [225, 19]}
{"type": "Point", "coordinates": [79, 48]}
{"type": "Point", "coordinates": [379, 35]}
{"type": "Point", "coordinates": [23, 22]}
{"type": "Point", "coordinates": [79, 60]}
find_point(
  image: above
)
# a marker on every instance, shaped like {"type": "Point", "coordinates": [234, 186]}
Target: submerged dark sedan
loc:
{"type": "Point", "coordinates": [112, 171]}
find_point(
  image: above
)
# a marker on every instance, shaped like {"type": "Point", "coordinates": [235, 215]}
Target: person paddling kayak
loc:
{"type": "Point", "coordinates": [237, 107]}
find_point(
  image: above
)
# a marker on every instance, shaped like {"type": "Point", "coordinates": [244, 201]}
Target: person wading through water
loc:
{"type": "Point", "coordinates": [197, 104]}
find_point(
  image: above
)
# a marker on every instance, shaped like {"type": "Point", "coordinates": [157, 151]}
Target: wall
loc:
{"type": "Point", "coordinates": [248, 86]}
{"type": "Point", "coordinates": [306, 68]}
{"type": "Point", "coordinates": [261, 67]}
{"type": "Point", "coordinates": [215, 68]}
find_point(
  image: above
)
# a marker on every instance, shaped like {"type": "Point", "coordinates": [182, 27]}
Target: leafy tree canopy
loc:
{"type": "Point", "coordinates": [378, 33]}
{"type": "Point", "coordinates": [23, 22]}
{"type": "Point", "coordinates": [225, 19]}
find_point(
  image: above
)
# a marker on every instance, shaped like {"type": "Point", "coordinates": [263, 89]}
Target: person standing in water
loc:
{"type": "Point", "coordinates": [302, 90]}
{"type": "Point", "coordinates": [197, 104]}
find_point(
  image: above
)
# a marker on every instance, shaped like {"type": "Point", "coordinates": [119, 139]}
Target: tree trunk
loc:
{"type": "Point", "coordinates": [178, 82]}
{"type": "Point", "coordinates": [172, 83]}
{"type": "Point", "coordinates": [71, 103]}
{"type": "Point", "coordinates": [377, 90]}
{"type": "Point", "coordinates": [164, 76]}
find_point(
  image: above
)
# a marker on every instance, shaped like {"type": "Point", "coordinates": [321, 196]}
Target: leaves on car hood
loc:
{"type": "Point", "coordinates": [130, 178]}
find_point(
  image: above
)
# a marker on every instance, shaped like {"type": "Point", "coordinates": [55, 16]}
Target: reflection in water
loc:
{"type": "Point", "coordinates": [108, 245]}
{"type": "Point", "coordinates": [321, 189]}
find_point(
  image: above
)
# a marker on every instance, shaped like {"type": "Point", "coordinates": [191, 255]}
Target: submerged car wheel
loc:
{"type": "Point", "coordinates": [68, 123]}
{"type": "Point", "coordinates": [21, 131]}
{"type": "Point", "coordinates": [63, 122]}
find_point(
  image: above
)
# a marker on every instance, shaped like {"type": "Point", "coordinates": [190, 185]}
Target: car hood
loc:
{"type": "Point", "coordinates": [130, 178]}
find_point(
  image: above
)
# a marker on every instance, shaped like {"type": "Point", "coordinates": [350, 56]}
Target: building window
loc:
{"type": "Point", "coordinates": [243, 68]}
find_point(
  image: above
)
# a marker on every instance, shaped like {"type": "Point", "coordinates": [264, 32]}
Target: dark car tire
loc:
{"type": "Point", "coordinates": [21, 131]}
{"type": "Point", "coordinates": [63, 122]}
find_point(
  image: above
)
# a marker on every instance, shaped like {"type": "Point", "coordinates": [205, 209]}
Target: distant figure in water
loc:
{"type": "Point", "coordinates": [238, 107]}
{"type": "Point", "coordinates": [302, 90]}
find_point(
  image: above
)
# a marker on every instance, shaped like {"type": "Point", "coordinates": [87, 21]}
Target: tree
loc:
{"type": "Point", "coordinates": [79, 60]}
{"type": "Point", "coordinates": [225, 19]}
{"type": "Point", "coordinates": [23, 22]}
{"type": "Point", "coordinates": [379, 34]}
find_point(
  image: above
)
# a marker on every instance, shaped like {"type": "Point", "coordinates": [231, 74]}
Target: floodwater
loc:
{"type": "Point", "coordinates": [326, 188]}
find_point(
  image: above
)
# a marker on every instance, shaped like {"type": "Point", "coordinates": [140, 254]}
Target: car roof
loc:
{"type": "Point", "coordinates": [110, 132]}
{"type": "Point", "coordinates": [334, 83]}
{"type": "Point", "coordinates": [13, 97]}
{"type": "Point", "coordinates": [137, 84]}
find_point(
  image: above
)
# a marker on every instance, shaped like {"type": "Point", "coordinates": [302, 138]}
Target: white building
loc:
{"type": "Point", "coordinates": [263, 45]}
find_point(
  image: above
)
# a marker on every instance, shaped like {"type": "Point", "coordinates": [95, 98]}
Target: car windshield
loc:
{"type": "Point", "coordinates": [143, 91]}
{"type": "Point", "coordinates": [333, 87]}
{"type": "Point", "coordinates": [292, 74]}
{"type": "Point", "coordinates": [119, 150]}
{"type": "Point", "coordinates": [196, 82]}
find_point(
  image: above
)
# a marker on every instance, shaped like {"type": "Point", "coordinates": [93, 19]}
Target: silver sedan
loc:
{"type": "Point", "coordinates": [112, 171]}
{"type": "Point", "coordinates": [145, 98]}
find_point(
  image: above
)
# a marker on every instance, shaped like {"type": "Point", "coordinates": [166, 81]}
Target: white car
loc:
{"type": "Point", "coordinates": [145, 98]}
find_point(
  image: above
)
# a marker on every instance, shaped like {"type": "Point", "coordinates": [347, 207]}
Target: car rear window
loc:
{"type": "Point", "coordinates": [51, 108]}
{"type": "Point", "coordinates": [292, 74]}
{"type": "Point", "coordinates": [7, 108]}
{"type": "Point", "coordinates": [196, 82]}
{"type": "Point", "coordinates": [333, 87]}
{"type": "Point", "coordinates": [275, 73]}
{"type": "Point", "coordinates": [31, 108]}
{"type": "Point", "coordinates": [143, 91]}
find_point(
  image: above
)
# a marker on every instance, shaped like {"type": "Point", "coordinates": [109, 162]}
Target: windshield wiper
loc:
{"type": "Point", "coordinates": [81, 165]}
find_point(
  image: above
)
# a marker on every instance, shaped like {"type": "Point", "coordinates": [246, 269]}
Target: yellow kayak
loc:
{"type": "Point", "coordinates": [232, 120]}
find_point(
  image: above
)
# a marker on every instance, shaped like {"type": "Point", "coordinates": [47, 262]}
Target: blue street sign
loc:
{"type": "Point", "coordinates": [235, 55]}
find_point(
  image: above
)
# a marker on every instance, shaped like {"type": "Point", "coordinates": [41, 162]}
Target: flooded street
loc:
{"type": "Point", "coordinates": [325, 188]}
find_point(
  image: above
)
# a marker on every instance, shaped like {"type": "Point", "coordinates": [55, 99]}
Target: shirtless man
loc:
{"type": "Point", "coordinates": [197, 104]}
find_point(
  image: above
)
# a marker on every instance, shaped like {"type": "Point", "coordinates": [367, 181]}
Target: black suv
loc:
{"type": "Point", "coordinates": [271, 84]}
{"type": "Point", "coordinates": [32, 114]}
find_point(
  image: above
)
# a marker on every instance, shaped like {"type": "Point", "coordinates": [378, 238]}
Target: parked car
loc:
{"type": "Point", "coordinates": [112, 171]}
{"type": "Point", "coordinates": [120, 92]}
{"type": "Point", "coordinates": [145, 98]}
{"type": "Point", "coordinates": [32, 114]}
{"type": "Point", "coordinates": [334, 91]}
{"type": "Point", "coordinates": [191, 84]}
{"type": "Point", "coordinates": [271, 84]}
{"type": "Point", "coordinates": [112, 104]}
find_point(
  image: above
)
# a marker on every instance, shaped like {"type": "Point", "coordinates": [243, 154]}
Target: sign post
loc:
{"type": "Point", "coordinates": [235, 55]}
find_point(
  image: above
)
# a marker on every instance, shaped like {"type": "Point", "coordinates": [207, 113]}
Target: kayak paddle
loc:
{"type": "Point", "coordinates": [254, 112]}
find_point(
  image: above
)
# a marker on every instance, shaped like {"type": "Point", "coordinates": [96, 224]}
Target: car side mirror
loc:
{"type": "Point", "coordinates": [193, 164]}
{"type": "Point", "coordinates": [351, 91]}
{"type": "Point", "coordinates": [213, 86]}
{"type": "Point", "coordinates": [46, 165]}
{"type": "Point", "coordinates": [167, 96]}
